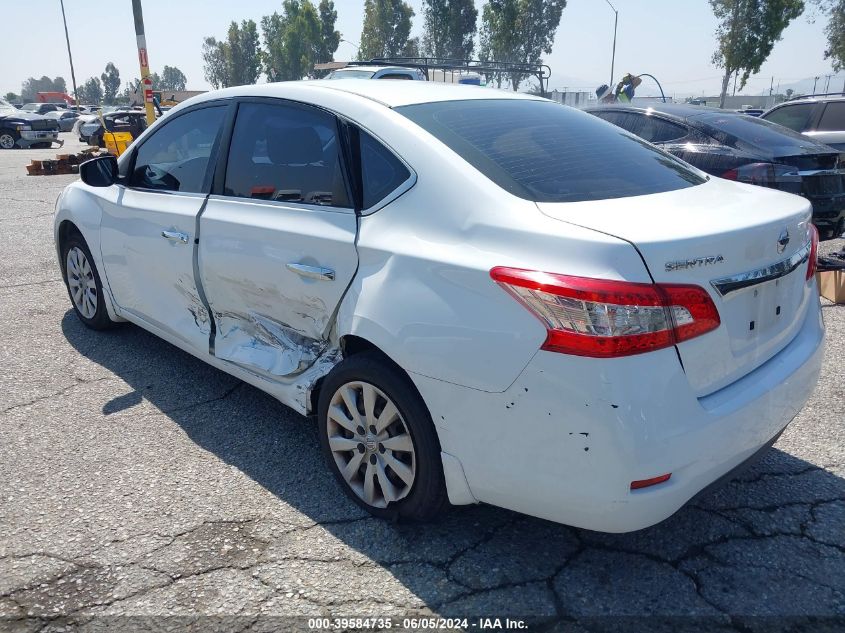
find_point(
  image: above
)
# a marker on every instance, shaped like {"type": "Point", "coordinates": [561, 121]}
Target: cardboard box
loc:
{"type": "Point", "coordinates": [832, 285]}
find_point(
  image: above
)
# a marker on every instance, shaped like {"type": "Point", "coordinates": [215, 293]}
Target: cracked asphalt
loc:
{"type": "Point", "coordinates": [137, 482]}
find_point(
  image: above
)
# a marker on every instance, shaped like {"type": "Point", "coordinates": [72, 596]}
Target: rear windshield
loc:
{"type": "Point", "coordinates": [350, 74]}
{"type": "Point", "coordinates": [546, 152]}
{"type": "Point", "coordinates": [753, 131]}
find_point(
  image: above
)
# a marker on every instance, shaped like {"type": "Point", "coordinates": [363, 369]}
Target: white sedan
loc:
{"type": "Point", "coordinates": [482, 296]}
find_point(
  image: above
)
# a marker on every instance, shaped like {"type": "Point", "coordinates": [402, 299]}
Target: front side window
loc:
{"type": "Point", "coordinates": [794, 117]}
{"type": "Point", "coordinates": [286, 153]}
{"type": "Point", "coordinates": [381, 172]}
{"type": "Point", "coordinates": [833, 118]}
{"type": "Point", "coordinates": [545, 152]}
{"type": "Point", "coordinates": [176, 156]}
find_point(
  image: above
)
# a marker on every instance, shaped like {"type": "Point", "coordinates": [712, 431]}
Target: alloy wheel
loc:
{"type": "Point", "coordinates": [80, 280]}
{"type": "Point", "coordinates": [371, 444]}
{"type": "Point", "coordinates": [7, 141]}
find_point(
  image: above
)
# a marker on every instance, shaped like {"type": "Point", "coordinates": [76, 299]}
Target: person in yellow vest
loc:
{"type": "Point", "coordinates": [625, 88]}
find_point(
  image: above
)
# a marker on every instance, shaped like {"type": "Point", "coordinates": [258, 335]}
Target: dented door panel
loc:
{"type": "Point", "coordinates": [269, 318]}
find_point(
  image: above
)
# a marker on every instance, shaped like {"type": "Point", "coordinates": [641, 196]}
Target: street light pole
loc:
{"type": "Point", "coordinates": [144, 61]}
{"type": "Point", "coordinates": [613, 57]}
{"type": "Point", "coordinates": [70, 57]}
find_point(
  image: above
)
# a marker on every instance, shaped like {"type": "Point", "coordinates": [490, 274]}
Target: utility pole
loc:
{"type": "Point", "coordinates": [146, 82]}
{"type": "Point", "coordinates": [815, 79]}
{"type": "Point", "coordinates": [613, 56]}
{"type": "Point", "coordinates": [69, 56]}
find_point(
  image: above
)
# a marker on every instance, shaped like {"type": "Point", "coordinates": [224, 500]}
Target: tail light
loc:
{"type": "Point", "coordinates": [603, 318]}
{"type": "Point", "coordinates": [775, 175]}
{"type": "Point", "coordinates": [812, 262]}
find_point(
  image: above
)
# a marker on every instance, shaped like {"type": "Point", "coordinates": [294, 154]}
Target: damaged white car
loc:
{"type": "Point", "coordinates": [482, 296]}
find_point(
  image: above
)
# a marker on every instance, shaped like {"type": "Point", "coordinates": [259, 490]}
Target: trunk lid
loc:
{"type": "Point", "coordinates": [721, 236]}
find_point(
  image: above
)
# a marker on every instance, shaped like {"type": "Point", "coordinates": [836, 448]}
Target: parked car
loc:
{"type": "Point", "coordinates": [66, 118]}
{"type": "Point", "coordinates": [378, 72]}
{"type": "Point", "coordinates": [40, 108]}
{"type": "Point", "coordinates": [20, 128]}
{"type": "Point", "coordinates": [745, 149]}
{"type": "Point", "coordinates": [482, 296]}
{"type": "Point", "coordinates": [822, 118]}
{"type": "Point", "coordinates": [132, 121]}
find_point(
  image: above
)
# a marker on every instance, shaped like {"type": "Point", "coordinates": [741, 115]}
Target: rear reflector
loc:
{"type": "Point", "coordinates": [812, 262]}
{"type": "Point", "coordinates": [645, 483]}
{"type": "Point", "coordinates": [603, 318]}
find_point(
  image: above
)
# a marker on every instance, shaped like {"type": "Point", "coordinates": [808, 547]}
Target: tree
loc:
{"type": "Point", "coordinates": [32, 86]}
{"type": "Point", "coordinates": [387, 27]}
{"type": "Point", "coordinates": [747, 33]}
{"type": "Point", "coordinates": [292, 41]}
{"type": "Point", "coordinates": [111, 83]}
{"type": "Point", "coordinates": [449, 29]}
{"type": "Point", "coordinates": [329, 36]}
{"type": "Point", "coordinates": [172, 79]}
{"type": "Point", "coordinates": [91, 91]}
{"type": "Point", "coordinates": [834, 31]}
{"type": "Point", "coordinates": [518, 31]}
{"type": "Point", "coordinates": [215, 67]}
{"type": "Point", "coordinates": [789, 93]}
{"type": "Point", "coordinates": [243, 53]}
{"type": "Point", "coordinates": [11, 97]}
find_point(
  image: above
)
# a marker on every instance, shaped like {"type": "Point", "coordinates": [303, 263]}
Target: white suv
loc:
{"type": "Point", "coordinates": [819, 117]}
{"type": "Point", "coordinates": [483, 296]}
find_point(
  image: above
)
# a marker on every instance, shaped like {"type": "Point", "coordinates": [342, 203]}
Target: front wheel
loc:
{"type": "Point", "coordinates": [84, 285]}
{"type": "Point", "coordinates": [8, 139]}
{"type": "Point", "coordinates": [379, 440]}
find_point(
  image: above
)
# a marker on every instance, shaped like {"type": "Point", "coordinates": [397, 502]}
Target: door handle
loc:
{"type": "Point", "coordinates": [312, 272]}
{"type": "Point", "coordinates": [176, 236]}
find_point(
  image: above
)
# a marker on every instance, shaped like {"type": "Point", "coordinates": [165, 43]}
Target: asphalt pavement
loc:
{"type": "Point", "coordinates": [141, 488]}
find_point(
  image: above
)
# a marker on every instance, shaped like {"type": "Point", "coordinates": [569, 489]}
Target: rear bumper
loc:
{"type": "Point", "coordinates": [565, 441]}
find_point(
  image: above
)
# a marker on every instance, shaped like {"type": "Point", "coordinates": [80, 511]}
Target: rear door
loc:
{"type": "Point", "coordinates": [831, 126]}
{"type": "Point", "coordinates": [277, 239]}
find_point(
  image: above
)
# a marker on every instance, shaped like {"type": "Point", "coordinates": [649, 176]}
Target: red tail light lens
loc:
{"type": "Point", "coordinates": [645, 483]}
{"type": "Point", "coordinates": [775, 175]}
{"type": "Point", "coordinates": [812, 262]}
{"type": "Point", "coordinates": [603, 318]}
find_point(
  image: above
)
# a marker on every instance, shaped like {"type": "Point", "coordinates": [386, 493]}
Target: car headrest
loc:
{"type": "Point", "coordinates": [293, 146]}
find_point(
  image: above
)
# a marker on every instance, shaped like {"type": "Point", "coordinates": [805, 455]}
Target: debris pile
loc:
{"type": "Point", "coordinates": [63, 163]}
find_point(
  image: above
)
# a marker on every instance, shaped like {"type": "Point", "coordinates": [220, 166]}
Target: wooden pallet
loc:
{"type": "Point", "coordinates": [63, 163]}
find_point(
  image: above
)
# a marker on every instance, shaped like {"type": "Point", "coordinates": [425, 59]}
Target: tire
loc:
{"type": "Point", "coordinates": [401, 460]}
{"type": "Point", "coordinates": [8, 139]}
{"type": "Point", "coordinates": [83, 284]}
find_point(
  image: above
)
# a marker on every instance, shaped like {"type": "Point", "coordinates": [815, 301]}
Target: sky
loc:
{"type": "Point", "coordinates": [671, 39]}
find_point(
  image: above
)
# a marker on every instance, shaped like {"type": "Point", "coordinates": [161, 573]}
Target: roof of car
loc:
{"type": "Point", "coordinates": [389, 93]}
{"type": "Point", "coordinates": [806, 98]}
{"type": "Point", "coordinates": [682, 110]}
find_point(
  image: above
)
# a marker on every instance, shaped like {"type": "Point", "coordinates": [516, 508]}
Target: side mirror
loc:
{"type": "Point", "coordinates": [99, 172]}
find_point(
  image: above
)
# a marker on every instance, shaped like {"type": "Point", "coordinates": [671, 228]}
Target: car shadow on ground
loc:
{"type": "Point", "coordinates": [767, 544]}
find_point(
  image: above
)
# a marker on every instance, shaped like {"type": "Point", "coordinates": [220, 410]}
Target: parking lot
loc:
{"type": "Point", "coordinates": [136, 480]}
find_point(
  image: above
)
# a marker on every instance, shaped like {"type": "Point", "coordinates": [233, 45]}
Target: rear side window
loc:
{"type": "Point", "coordinates": [381, 171]}
{"type": "Point", "coordinates": [649, 128]}
{"type": "Point", "coordinates": [286, 153]}
{"type": "Point", "coordinates": [546, 152]}
{"type": "Point", "coordinates": [833, 118]}
{"type": "Point", "coordinates": [175, 157]}
{"type": "Point", "coordinates": [794, 117]}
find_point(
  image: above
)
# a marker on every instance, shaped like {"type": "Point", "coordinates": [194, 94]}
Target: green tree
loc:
{"type": "Point", "coordinates": [747, 33]}
{"type": "Point", "coordinates": [11, 97]}
{"type": "Point", "coordinates": [172, 79]}
{"type": "Point", "coordinates": [111, 83]}
{"type": "Point", "coordinates": [386, 30]}
{"type": "Point", "coordinates": [329, 36]}
{"type": "Point", "coordinates": [518, 31]}
{"type": "Point", "coordinates": [834, 31]}
{"type": "Point", "coordinates": [292, 41]}
{"type": "Point", "coordinates": [91, 91]}
{"type": "Point", "coordinates": [449, 30]}
{"type": "Point", "coordinates": [242, 53]}
{"type": "Point", "coordinates": [32, 86]}
{"type": "Point", "coordinates": [215, 66]}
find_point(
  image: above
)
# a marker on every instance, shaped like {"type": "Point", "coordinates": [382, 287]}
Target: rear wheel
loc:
{"type": "Point", "coordinates": [83, 284]}
{"type": "Point", "coordinates": [8, 138]}
{"type": "Point", "coordinates": [379, 441]}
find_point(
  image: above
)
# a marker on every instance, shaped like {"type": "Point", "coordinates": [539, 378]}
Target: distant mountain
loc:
{"type": "Point", "coordinates": [805, 86]}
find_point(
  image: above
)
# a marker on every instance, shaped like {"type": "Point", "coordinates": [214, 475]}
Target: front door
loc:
{"type": "Point", "coordinates": [277, 247]}
{"type": "Point", "coordinates": [148, 226]}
